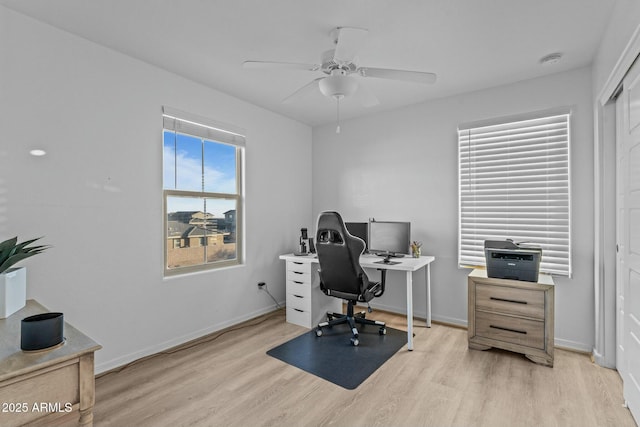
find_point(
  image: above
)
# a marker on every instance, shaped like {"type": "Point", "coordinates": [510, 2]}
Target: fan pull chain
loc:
{"type": "Point", "coordinates": [338, 114]}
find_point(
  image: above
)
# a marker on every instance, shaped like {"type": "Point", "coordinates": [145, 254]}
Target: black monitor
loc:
{"type": "Point", "coordinates": [361, 230]}
{"type": "Point", "coordinates": [389, 238]}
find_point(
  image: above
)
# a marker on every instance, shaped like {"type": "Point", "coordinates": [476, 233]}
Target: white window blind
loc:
{"type": "Point", "coordinates": [191, 124]}
{"type": "Point", "coordinates": [514, 184]}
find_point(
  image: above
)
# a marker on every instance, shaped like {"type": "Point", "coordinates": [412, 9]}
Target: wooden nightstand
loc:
{"type": "Point", "coordinates": [38, 388]}
{"type": "Point", "coordinates": [512, 315]}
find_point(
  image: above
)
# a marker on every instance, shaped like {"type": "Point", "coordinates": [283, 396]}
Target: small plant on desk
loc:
{"type": "Point", "coordinates": [416, 248]}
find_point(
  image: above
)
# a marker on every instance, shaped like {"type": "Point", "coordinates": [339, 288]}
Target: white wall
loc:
{"type": "Point", "coordinates": [625, 19]}
{"type": "Point", "coordinates": [97, 195]}
{"type": "Point", "coordinates": [402, 165]}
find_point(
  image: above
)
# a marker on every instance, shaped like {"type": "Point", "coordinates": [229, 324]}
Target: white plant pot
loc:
{"type": "Point", "coordinates": [13, 291]}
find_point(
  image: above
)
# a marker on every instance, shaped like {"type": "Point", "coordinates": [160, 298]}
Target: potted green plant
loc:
{"type": "Point", "coordinates": [13, 280]}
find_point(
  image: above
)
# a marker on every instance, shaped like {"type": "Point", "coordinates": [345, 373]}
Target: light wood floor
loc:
{"type": "Point", "coordinates": [230, 381]}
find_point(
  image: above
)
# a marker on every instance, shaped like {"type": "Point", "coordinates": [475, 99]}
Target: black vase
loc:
{"type": "Point", "coordinates": [41, 331]}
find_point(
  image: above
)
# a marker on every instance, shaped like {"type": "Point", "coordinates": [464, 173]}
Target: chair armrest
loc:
{"type": "Point", "coordinates": [322, 287]}
{"type": "Point", "coordinates": [381, 287]}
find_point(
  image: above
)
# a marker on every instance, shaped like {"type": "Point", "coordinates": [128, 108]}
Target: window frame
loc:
{"type": "Point", "coordinates": [473, 256]}
{"type": "Point", "coordinates": [218, 133]}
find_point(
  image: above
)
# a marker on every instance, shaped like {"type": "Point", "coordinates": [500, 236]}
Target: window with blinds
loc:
{"type": "Point", "coordinates": [514, 183]}
{"type": "Point", "coordinates": [202, 191]}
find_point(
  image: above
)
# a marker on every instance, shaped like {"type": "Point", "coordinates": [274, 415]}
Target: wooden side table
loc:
{"type": "Point", "coordinates": [512, 315]}
{"type": "Point", "coordinates": [38, 387]}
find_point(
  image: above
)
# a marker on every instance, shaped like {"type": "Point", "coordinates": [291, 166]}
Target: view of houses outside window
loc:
{"type": "Point", "coordinates": [201, 196]}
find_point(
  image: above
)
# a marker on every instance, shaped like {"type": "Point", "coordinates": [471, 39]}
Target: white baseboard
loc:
{"type": "Point", "coordinates": [128, 358]}
{"type": "Point", "coordinates": [157, 348]}
{"type": "Point", "coordinates": [572, 345]}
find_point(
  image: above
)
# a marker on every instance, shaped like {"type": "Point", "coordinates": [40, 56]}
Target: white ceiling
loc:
{"type": "Point", "coordinates": [469, 44]}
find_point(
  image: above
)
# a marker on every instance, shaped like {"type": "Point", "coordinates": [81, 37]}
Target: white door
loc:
{"type": "Point", "coordinates": [629, 238]}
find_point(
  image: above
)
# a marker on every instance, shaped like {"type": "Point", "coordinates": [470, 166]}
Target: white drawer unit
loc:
{"type": "Point", "coordinates": [307, 305]}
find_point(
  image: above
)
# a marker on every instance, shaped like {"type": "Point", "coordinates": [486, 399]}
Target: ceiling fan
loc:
{"type": "Point", "coordinates": [339, 66]}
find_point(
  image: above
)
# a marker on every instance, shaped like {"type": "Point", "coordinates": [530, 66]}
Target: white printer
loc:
{"type": "Point", "coordinates": [509, 260]}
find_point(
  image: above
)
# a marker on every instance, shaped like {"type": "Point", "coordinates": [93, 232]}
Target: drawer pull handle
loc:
{"type": "Point", "coordinates": [299, 283]}
{"type": "Point", "coordinates": [298, 296]}
{"type": "Point", "coordinates": [298, 310]}
{"type": "Point", "coordinates": [508, 329]}
{"type": "Point", "coordinates": [508, 300]}
{"type": "Point", "coordinates": [296, 262]}
{"type": "Point", "coordinates": [298, 272]}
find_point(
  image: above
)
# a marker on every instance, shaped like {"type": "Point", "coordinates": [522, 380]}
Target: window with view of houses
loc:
{"type": "Point", "coordinates": [202, 168]}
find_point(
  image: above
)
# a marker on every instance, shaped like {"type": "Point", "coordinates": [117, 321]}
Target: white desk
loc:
{"type": "Point", "coordinates": [406, 264]}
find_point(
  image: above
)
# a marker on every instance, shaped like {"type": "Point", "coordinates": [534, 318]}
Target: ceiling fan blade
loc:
{"type": "Point", "coordinates": [404, 75]}
{"type": "Point", "coordinates": [349, 42]}
{"type": "Point", "coordinates": [309, 87]}
{"type": "Point", "coordinates": [280, 65]}
{"type": "Point", "coordinates": [365, 97]}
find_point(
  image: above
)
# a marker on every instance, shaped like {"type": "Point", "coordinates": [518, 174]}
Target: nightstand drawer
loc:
{"type": "Point", "coordinates": [298, 288]}
{"type": "Point", "coordinates": [300, 267]}
{"type": "Point", "coordinates": [504, 299]}
{"type": "Point", "coordinates": [509, 329]}
{"type": "Point", "coordinates": [296, 276]}
{"type": "Point", "coordinates": [298, 316]}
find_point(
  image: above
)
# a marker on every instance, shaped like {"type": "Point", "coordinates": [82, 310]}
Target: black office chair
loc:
{"type": "Point", "coordinates": [341, 275]}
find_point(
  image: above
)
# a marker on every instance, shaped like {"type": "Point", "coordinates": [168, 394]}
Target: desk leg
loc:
{"type": "Point", "coordinates": [410, 310]}
{"type": "Point", "coordinates": [427, 274]}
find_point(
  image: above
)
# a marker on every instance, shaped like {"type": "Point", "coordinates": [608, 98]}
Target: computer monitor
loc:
{"type": "Point", "coordinates": [389, 238]}
{"type": "Point", "coordinates": [361, 230]}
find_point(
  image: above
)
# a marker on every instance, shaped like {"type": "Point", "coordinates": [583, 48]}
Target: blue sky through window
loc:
{"type": "Point", "coordinates": [218, 171]}
{"type": "Point", "coordinates": [193, 164]}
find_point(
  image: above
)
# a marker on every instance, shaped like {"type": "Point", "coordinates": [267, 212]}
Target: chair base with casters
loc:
{"type": "Point", "coordinates": [352, 320]}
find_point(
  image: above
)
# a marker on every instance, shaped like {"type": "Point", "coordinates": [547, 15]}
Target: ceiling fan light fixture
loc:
{"type": "Point", "coordinates": [338, 85]}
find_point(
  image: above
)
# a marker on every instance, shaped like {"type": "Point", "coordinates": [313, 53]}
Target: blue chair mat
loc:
{"type": "Point", "coordinates": [333, 357]}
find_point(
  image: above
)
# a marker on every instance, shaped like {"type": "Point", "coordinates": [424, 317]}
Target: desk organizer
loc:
{"type": "Point", "coordinates": [41, 331]}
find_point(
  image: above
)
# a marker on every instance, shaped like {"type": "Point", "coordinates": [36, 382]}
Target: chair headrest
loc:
{"type": "Point", "coordinates": [339, 257]}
